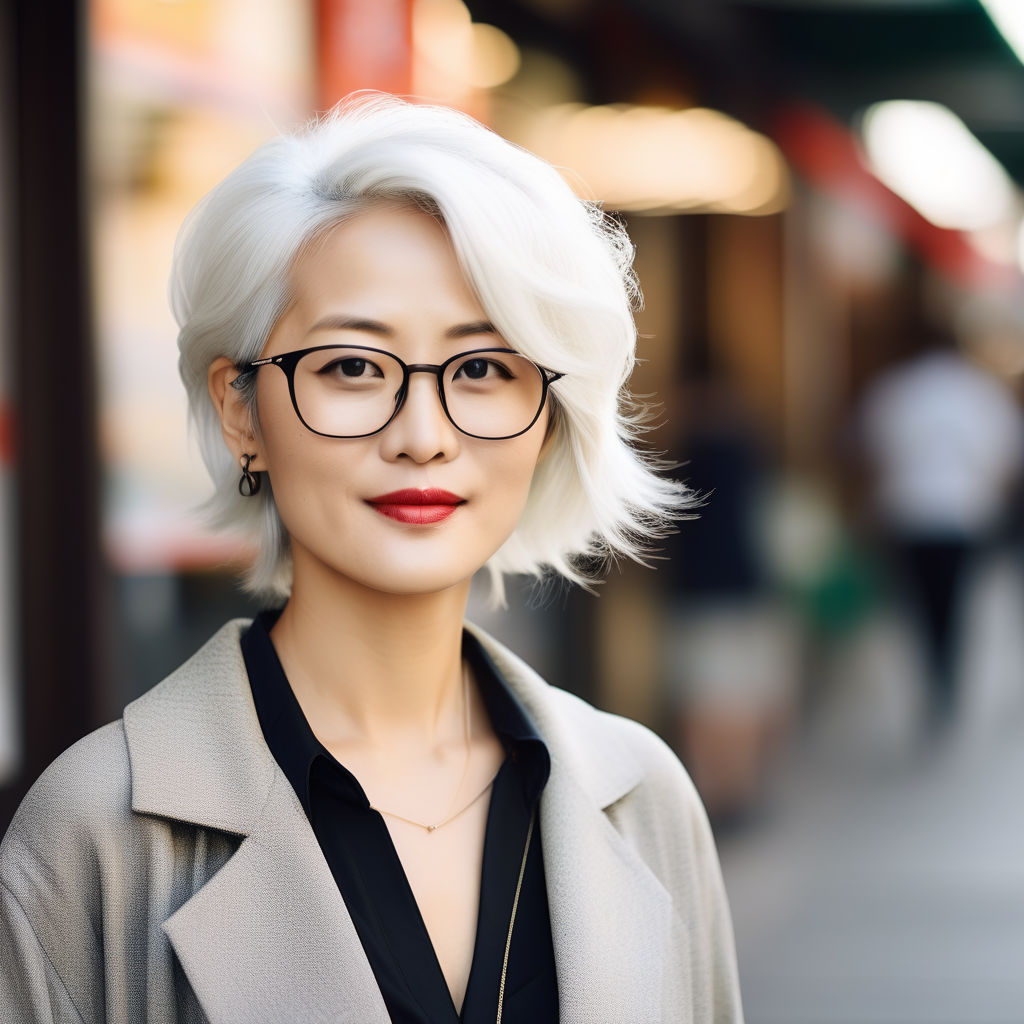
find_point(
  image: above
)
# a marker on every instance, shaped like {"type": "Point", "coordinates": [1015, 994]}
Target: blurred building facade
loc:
{"type": "Point", "coordinates": [753, 150]}
{"type": "Point", "coordinates": [727, 135]}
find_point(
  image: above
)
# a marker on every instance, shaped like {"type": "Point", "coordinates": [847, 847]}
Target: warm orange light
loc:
{"type": "Point", "coordinates": [442, 38]}
{"type": "Point", "coordinates": [494, 58]}
{"type": "Point", "coordinates": [454, 55]}
{"type": "Point", "coordinates": [654, 159]}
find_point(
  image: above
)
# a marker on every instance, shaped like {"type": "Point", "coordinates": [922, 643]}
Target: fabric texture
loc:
{"type": "Point", "coordinates": [163, 870]}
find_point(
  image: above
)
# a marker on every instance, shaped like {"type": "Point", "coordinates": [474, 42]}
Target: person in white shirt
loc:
{"type": "Point", "coordinates": [945, 440]}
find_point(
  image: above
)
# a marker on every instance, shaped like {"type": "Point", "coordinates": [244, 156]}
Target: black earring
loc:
{"type": "Point", "coordinates": [249, 484]}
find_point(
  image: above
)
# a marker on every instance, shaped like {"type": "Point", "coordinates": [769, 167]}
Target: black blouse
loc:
{"type": "Point", "coordinates": [358, 848]}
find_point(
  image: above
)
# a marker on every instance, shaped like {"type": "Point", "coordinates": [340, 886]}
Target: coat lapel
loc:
{"type": "Point", "coordinates": [611, 919]}
{"type": "Point", "coordinates": [268, 937]}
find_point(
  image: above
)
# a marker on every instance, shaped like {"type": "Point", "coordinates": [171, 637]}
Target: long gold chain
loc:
{"type": "Point", "coordinates": [512, 919]}
{"type": "Point", "coordinates": [462, 810]}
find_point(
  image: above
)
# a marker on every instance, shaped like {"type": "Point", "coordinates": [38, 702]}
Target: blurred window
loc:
{"type": "Point", "coordinates": [179, 94]}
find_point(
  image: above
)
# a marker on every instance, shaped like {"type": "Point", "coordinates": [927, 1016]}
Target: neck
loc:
{"type": "Point", "coordinates": [370, 667]}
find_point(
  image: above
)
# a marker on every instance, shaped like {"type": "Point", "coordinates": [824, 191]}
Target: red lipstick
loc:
{"type": "Point", "coordinates": [421, 508]}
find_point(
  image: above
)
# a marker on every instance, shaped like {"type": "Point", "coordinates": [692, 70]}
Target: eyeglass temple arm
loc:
{"type": "Point", "coordinates": [248, 369]}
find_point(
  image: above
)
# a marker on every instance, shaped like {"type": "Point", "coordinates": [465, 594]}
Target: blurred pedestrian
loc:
{"type": "Point", "coordinates": [728, 671]}
{"type": "Point", "coordinates": [944, 442]}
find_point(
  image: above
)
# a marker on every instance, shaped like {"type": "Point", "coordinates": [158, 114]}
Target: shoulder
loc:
{"type": "Point", "coordinates": [79, 813]}
{"type": "Point", "coordinates": [62, 846]}
{"type": "Point", "coordinates": [88, 869]}
{"type": "Point", "coordinates": [635, 779]}
{"type": "Point", "coordinates": [77, 802]}
{"type": "Point", "coordinates": [601, 734]}
{"type": "Point", "coordinates": [610, 755]}
{"type": "Point", "coordinates": [653, 800]}
{"type": "Point", "coordinates": [89, 782]}
{"type": "Point", "coordinates": [659, 805]}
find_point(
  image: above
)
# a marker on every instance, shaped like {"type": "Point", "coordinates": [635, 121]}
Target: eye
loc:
{"type": "Point", "coordinates": [351, 366]}
{"type": "Point", "coordinates": [479, 368]}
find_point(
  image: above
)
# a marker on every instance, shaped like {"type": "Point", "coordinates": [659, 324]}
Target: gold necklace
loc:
{"type": "Point", "coordinates": [462, 810]}
{"type": "Point", "coordinates": [443, 821]}
{"type": "Point", "coordinates": [451, 816]}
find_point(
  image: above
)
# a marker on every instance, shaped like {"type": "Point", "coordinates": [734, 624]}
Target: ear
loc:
{"type": "Point", "coordinates": [235, 418]}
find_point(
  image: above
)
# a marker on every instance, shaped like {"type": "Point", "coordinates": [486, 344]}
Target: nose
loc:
{"type": "Point", "coordinates": [421, 431]}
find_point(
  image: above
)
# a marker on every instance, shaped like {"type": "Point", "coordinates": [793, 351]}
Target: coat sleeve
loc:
{"type": "Point", "coordinates": [52, 917]}
{"type": "Point", "coordinates": [31, 991]}
{"type": "Point", "coordinates": [721, 991]}
{"type": "Point", "coordinates": [665, 820]}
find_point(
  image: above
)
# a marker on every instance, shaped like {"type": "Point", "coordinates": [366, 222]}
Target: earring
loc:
{"type": "Point", "coordinates": [249, 484]}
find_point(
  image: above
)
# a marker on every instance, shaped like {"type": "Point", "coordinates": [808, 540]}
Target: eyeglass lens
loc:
{"type": "Point", "coordinates": [350, 392]}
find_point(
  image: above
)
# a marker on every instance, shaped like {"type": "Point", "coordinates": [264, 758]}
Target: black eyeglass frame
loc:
{"type": "Point", "coordinates": [287, 361]}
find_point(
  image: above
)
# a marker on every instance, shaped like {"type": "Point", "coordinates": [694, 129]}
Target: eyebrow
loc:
{"type": "Point", "coordinates": [351, 323]}
{"type": "Point", "coordinates": [367, 326]}
{"type": "Point", "coordinates": [468, 330]}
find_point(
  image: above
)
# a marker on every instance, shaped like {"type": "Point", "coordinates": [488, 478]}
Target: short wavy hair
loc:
{"type": "Point", "coordinates": [553, 272]}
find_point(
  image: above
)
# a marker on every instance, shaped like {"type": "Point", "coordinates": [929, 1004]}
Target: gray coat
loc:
{"type": "Point", "coordinates": [162, 870]}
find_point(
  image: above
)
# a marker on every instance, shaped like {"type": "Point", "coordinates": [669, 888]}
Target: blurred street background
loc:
{"type": "Point", "coordinates": [826, 201]}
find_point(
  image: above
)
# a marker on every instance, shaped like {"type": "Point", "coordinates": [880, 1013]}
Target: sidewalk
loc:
{"type": "Point", "coordinates": [884, 886]}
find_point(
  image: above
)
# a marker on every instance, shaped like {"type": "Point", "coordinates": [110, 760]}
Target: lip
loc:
{"type": "Point", "coordinates": [417, 507]}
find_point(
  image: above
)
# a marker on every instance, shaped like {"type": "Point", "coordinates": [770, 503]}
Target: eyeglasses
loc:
{"type": "Point", "coordinates": [355, 391]}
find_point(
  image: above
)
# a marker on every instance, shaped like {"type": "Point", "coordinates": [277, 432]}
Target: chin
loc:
{"type": "Point", "coordinates": [404, 581]}
{"type": "Point", "coordinates": [401, 569]}
{"type": "Point", "coordinates": [417, 587]}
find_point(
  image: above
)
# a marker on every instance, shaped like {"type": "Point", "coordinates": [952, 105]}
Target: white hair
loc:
{"type": "Point", "coordinates": [553, 273]}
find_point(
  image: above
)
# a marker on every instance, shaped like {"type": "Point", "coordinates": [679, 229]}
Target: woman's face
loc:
{"type": "Point", "coordinates": [389, 279]}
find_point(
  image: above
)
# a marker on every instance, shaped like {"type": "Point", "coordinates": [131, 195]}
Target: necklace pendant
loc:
{"type": "Point", "coordinates": [432, 828]}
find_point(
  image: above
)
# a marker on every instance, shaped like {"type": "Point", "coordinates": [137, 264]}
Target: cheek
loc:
{"type": "Point", "coordinates": [513, 475]}
{"type": "Point", "coordinates": [308, 475]}
{"type": "Point", "coordinates": [288, 448]}
{"type": "Point", "coordinates": [273, 416]}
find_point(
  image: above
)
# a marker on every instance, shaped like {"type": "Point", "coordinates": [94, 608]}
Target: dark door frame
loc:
{"type": "Point", "coordinates": [58, 588]}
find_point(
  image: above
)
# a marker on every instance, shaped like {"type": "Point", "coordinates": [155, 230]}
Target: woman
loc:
{"type": "Point", "coordinates": [404, 343]}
